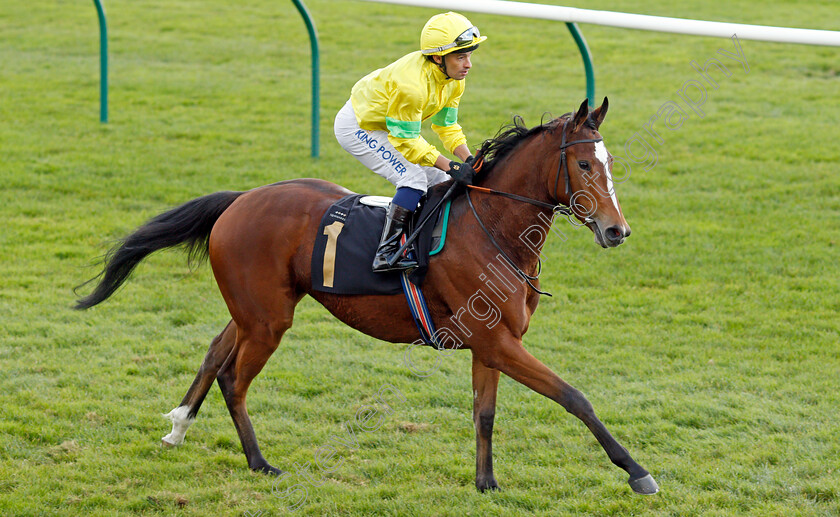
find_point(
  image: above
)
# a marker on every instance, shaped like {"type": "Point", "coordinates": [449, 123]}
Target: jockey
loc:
{"type": "Point", "coordinates": [380, 124]}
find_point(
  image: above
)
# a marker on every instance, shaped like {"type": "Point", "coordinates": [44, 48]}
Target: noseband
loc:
{"type": "Point", "coordinates": [558, 208]}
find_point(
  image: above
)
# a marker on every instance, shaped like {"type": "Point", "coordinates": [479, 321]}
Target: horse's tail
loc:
{"type": "Point", "coordinates": [188, 225]}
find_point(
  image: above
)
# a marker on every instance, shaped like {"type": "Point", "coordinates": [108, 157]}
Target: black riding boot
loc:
{"type": "Point", "coordinates": [396, 222]}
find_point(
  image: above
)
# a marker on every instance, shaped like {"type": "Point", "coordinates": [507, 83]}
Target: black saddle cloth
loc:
{"type": "Point", "coordinates": [346, 243]}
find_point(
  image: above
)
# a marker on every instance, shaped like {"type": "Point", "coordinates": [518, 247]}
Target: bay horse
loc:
{"type": "Point", "coordinates": [260, 243]}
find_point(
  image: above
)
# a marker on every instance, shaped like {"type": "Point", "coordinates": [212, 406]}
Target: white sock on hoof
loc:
{"type": "Point", "coordinates": [180, 424]}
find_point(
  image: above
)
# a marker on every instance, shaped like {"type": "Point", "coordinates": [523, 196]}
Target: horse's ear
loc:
{"type": "Point", "coordinates": [600, 112]}
{"type": "Point", "coordinates": [581, 115]}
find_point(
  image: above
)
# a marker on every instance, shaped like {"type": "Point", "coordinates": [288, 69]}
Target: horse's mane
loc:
{"type": "Point", "coordinates": [507, 139]}
{"type": "Point", "coordinates": [511, 135]}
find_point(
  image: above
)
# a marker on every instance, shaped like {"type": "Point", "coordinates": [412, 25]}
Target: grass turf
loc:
{"type": "Point", "coordinates": [708, 342]}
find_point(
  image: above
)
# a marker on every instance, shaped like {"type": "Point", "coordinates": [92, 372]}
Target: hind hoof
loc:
{"type": "Point", "coordinates": [645, 486]}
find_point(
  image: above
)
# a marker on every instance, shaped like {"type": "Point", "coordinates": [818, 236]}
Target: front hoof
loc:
{"type": "Point", "coordinates": [484, 485]}
{"type": "Point", "coordinates": [267, 469]}
{"type": "Point", "coordinates": [644, 485]}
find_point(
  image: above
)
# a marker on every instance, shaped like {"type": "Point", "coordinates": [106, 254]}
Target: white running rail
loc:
{"type": "Point", "coordinates": [632, 21]}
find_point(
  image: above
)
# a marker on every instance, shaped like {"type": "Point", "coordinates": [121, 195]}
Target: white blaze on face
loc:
{"type": "Point", "coordinates": [603, 156]}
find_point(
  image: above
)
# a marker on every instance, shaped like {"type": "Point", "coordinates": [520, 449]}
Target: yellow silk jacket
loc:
{"type": "Point", "coordinates": [400, 96]}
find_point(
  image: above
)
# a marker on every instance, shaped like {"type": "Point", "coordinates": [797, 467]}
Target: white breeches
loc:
{"type": "Point", "coordinates": [373, 149]}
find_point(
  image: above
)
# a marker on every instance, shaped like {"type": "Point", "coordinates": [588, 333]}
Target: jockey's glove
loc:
{"type": "Point", "coordinates": [462, 173]}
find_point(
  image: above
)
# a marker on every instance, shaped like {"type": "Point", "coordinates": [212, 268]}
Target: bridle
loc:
{"type": "Point", "coordinates": [565, 166]}
{"type": "Point", "coordinates": [560, 208]}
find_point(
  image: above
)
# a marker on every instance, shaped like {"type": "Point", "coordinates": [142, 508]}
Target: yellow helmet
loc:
{"type": "Point", "coordinates": [448, 32]}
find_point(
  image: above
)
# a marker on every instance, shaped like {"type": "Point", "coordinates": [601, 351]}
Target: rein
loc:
{"type": "Point", "coordinates": [558, 208]}
{"type": "Point", "coordinates": [525, 276]}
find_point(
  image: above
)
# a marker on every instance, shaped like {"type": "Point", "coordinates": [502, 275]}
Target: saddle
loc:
{"type": "Point", "coordinates": [349, 234]}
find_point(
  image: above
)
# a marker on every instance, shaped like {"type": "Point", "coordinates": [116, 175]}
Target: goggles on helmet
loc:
{"type": "Point", "coordinates": [464, 39]}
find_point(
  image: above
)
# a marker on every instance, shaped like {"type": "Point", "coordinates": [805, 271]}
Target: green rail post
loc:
{"type": "Point", "coordinates": [313, 41]}
{"type": "Point", "coordinates": [587, 62]}
{"type": "Point", "coordinates": [103, 62]}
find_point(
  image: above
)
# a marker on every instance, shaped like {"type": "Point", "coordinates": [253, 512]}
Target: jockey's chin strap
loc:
{"type": "Point", "coordinates": [559, 208]}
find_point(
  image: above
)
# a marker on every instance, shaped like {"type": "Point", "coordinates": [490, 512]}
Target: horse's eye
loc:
{"type": "Point", "coordinates": [583, 165]}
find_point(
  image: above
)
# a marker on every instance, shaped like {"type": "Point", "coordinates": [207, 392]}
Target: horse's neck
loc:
{"type": "Point", "coordinates": [518, 227]}
{"type": "Point", "coordinates": [524, 170]}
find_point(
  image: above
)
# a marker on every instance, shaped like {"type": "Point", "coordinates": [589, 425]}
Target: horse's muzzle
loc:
{"type": "Point", "coordinates": [615, 235]}
{"type": "Point", "coordinates": [610, 237]}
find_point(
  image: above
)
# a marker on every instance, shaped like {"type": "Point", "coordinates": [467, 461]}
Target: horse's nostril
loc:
{"type": "Point", "coordinates": [614, 233]}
